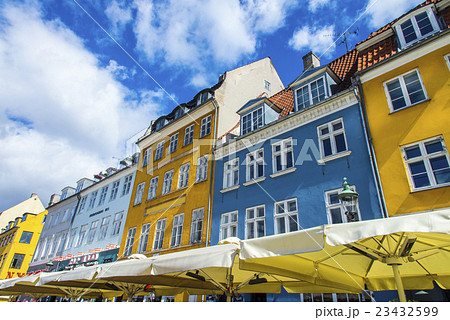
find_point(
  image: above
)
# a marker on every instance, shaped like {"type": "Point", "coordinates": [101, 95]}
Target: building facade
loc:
{"type": "Point", "coordinates": [18, 242]}
{"type": "Point", "coordinates": [285, 170]}
{"type": "Point", "coordinates": [170, 204]}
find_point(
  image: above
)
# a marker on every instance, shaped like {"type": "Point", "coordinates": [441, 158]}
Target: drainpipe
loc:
{"type": "Point", "coordinates": [213, 147]}
{"type": "Point", "coordinates": [369, 145]}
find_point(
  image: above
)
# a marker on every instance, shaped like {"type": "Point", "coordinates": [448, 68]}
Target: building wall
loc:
{"type": "Point", "coordinates": [32, 223]}
{"type": "Point", "coordinates": [177, 201]}
{"type": "Point", "coordinates": [241, 85]}
{"type": "Point", "coordinates": [31, 205]}
{"type": "Point", "coordinates": [427, 119]}
{"type": "Point", "coordinates": [310, 180]}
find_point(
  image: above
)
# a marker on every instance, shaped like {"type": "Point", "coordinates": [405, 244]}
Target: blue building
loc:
{"type": "Point", "coordinates": [285, 170]}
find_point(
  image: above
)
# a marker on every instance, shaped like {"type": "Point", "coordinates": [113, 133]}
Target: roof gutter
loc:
{"type": "Point", "coordinates": [369, 145]}
{"type": "Point", "coordinates": [213, 147]}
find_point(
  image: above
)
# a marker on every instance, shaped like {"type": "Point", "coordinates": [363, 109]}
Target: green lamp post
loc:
{"type": "Point", "coordinates": [349, 199]}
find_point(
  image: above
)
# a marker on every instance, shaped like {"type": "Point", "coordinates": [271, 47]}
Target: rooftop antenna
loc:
{"type": "Point", "coordinates": [344, 34]}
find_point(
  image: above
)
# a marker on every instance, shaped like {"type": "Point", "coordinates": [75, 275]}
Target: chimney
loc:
{"type": "Point", "coordinates": [310, 60]}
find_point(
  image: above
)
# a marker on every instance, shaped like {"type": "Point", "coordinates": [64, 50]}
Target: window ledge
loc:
{"type": "Point", "coordinates": [334, 156]}
{"type": "Point", "coordinates": [280, 173]}
{"type": "Point", "coordinates": [229, 189]}
{"type": "Point", "coordinates": [411, 105]}
{"type": "Point", "coordinates": [196, 182]}
{"type": "Point", "coordinates": [254, 181]}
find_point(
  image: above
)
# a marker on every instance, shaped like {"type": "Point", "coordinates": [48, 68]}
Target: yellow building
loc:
{"type": "Point", "coordinates": [404, 77]}
{"type": "Point", "coordinates": [18, 242]}
{"type": "Point", "coordinates": [170, 203]}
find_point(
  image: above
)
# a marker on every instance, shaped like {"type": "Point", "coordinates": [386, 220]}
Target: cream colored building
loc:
{"type": "Point", "coordinates": [31, 205]}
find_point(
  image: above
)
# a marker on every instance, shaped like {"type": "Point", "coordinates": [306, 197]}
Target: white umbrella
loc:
{"type": "Point", "coordinates": [402, 252]}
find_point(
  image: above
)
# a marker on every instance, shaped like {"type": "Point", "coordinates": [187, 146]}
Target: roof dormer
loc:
{"type": "Point", "coordinates": [416, 26]}
{"type": "Point", "coordinates": [257, 113]}
{"type": "Point", "coordinates": [67, 192]}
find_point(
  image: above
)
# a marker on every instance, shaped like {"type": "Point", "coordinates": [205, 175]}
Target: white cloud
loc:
{"type": "Point", "coordinates": [197, 34]}
{"type": "Point", "coordinates": [381, 12]}
{"type": "Point", "coordinates": [314, 39]}
{"type": "Point", "coordinates": [120, 72]}
{"type": "Point", "coordinates": [62, 116]}
{"type": "Point", "coordinates": [313, 5]}
{"type": "Point", "coordinates": [119, 15]}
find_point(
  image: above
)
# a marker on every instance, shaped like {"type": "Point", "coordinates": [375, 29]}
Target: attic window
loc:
{"type": "Point", "coordinates": [417, 27]}
{"type": "Point", "coordinates": [252, 121]}
{"type": "Point", "coordinates": [310, 94]}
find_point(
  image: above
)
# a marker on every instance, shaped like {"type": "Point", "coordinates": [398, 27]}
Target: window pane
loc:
{"type": "Point", "coordinates": [324, 130]}
{"type": "Point", "coordinates": [408, 31]}
{"type": "Point", "coordinates": [250, 230]}
{"type": "Point", "coordinates": [336, 216]}
{"type": "Point", "coordinates": [260, 212]}
{"type": "Point", "coordinates": [289, 160]}
{"type": "Point", "coordinates": [414, 88]}
{"type": "Point", "coordinates": [340, 143]}
{"type": "Point", "coordinates": [441, 169]}
{"type": "Point", "coordinates": [333, 199]}
{"type": "Point", "coordinates": [413, 152]}
{"type": "Point", "coordinates": [280, 208]}
{"type": "Point", "coordinates": [250, 214]}
{"type": "Point", "coordinates": [326, 143]}
{"type": "Point", "coordinates": [293, 225]}
{"type": "Point", "coordinates": [260, 228]}
{"type": "Point", "coordinates": [434, 146]}
{"type": "Point", "coordinates": [396, 94]}
{"type": "Point", "coordinates": [292, 205]}
{"type": "Point", "coordinates": [337, 126]}
{"type": "Point", "coordinates": [417, 167]}
{"type": "Point", "coordinates": [421, 180]}
{"type": "Point", "coordinates": [281, 228]}
{"type": "Point", "coordinates": [424, 23]}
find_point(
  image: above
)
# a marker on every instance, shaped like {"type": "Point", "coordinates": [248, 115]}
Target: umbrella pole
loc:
{"type": "Point", "coordinates": [399, 283]}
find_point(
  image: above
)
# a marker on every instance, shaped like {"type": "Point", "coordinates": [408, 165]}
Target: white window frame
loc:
{"type": "Point", "coordinates": [197, 225]}
{"type": "Point", "coordinates": [231, 173]}
{"type": "Point", "coordinates": [287, 215]}
{"type": "Point", "coordinates": [82, 204]}
{"type": "Point", "coordinates": [425, 158]}
{"type": "Point", "coordinates": [130, 241]}
{"type": "Point", "coordinates": [152, 188]}
{"type": "Point", "coordinates": [159, 234]}
{"type": "Point", "coordinates": [177, 230]}
{"type": "Point", "coordinates": [310, 95]}
{"type": "Point", "coordinates": [447, 60]}
{"type": "Point", "coordinates": [267, 85]}
{"type": "Point", "coordinates": [252, 218]}
{"type": "Point", "coordinates": [114, 190]}
{"type": "Point", "coordinates": [92, 231]}
{"type": "Point", "coordinates": [104, 228]}
{"type": "Point", "coordinates": [202, 169]}
{"type": "Point", "coordinates": [331, 135]}
{"type": "Point", "coordinates": [415, 26]}
{"type": "Point", "coordinates": [228, 224]}
{"type": "Point", "coordinates": [117, 223]}
{"type": "Point", "coordinates": [205, 128]}
{"type": "Point", "coordinates": [173, 145]}
{"type": "Point", "coordinates": [72, 237]}
{"type": "Point", "coordinates": [92, 199]}
{"type": "Point", "coordinates": [283, 152]}
{"type": "Point", "coordinates": [183, 176]}
{"type": "Point", "coordinates": [159, 150]}
{"type": "Point", "coordinates": [127, 185]}
{"type": "Point", "coordinates": [146, 158]}
{"type": "Point", "coordinates": [256, 120]}
{"type": "Point", "coordinates": [139, 193]}
{"type": "Point", "coordinates": [404, 90]}
{"type": "Point", "coordinates": [338, 205]}
{"type": "Point", "coordinates": [143, 239]}
{"type": "Point", "coordinates": [103, 194]}
{"type": "Point", "coordinates": [167, 183]}
{"type": "Point", "coordinates": [254, 164]}
{"type": "Point", "coordinates": [82, 235]}
{"type": "Point", "coordinates": [188, 135]}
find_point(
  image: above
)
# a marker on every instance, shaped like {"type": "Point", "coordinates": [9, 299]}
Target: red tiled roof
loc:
{"type": "Point", "coordinates": [344, 67]}
{"type": "Point", "coordinates": [376, 53]}
{"type": "Point", "coordinates": [284, 100]}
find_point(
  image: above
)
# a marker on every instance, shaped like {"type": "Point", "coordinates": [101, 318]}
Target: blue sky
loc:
{"type": "Point", "coordinates": [80, 78]}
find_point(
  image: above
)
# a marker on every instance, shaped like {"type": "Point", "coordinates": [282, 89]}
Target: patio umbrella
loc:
{"type": "Point", "coordinates": [397, 253]}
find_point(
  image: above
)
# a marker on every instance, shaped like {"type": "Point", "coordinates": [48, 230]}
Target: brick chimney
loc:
{"type": "Point", "coordinates": [310, 60]}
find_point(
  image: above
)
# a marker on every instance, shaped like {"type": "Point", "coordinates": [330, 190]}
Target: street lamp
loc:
{"type": "Point", "coordinates": [49, 265]}
{"type": "Point", "coordinates": [349, 199]}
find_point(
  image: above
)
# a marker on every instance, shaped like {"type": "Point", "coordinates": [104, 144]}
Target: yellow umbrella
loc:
{"type": "Point", "coordinates": [398, 253]}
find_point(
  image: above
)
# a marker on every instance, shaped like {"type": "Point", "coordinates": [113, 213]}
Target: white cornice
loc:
{"type": "Point", "coordinates": [413, 53]}
{"type": "Point", "coordinates": [329, 106]}
{"type": "Point", "coordinates": [167, 130]}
